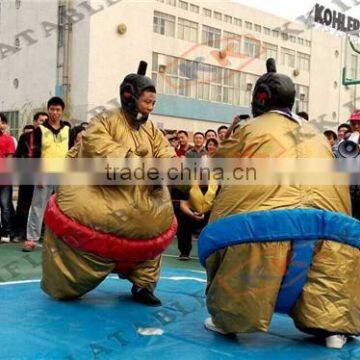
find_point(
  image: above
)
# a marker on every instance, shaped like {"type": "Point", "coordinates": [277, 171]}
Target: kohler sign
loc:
{"type": "Point", "coordinates": [335, 19]}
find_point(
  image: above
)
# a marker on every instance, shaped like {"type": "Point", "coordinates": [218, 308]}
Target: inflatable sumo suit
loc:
{"type": "Point", "coordinates": [288, 249]}
{"type": "Point", "coordinates": [92, 231]}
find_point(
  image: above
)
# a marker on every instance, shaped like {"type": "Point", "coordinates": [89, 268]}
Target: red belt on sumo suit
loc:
{"type": "Point", "coordinates": [126, 252]}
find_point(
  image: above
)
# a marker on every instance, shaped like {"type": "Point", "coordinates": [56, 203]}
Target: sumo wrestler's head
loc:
{"type": "Point", "coordinates": [138, 94]}
{"type": "Point", "coordinates": [272, 91]}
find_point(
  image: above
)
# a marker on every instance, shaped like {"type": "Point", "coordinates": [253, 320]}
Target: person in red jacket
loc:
{"type": "Point", "coordinates": [7, 149]}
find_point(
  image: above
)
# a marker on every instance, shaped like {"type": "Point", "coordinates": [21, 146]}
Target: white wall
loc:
{"type": "Point", "coordinates": [34, 65]}
{"type": "Point", "coordinates": [112, 56]}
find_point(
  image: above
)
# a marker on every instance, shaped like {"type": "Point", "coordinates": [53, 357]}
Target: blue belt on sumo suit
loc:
{"type": "Point", "coordinates": [303, 227]}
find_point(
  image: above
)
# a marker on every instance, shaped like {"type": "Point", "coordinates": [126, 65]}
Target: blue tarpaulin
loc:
{"type": "Point", "coordinates": [106, 324]}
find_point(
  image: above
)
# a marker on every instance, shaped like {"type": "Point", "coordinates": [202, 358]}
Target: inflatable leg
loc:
{"type": "Point", "coordinates": [330, 300]}
{"type": "Point", "coordinates": [146, 274]}
{"type": "Point", "coordinates": [243, 285]}
{"type": "Point", "coordinates": [69, 273]}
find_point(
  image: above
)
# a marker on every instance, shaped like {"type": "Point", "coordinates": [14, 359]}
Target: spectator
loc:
{"type": "Point", "coordinates": [198, 150]}
{"type": "Point", "coordinates": [355, 189]}
{"type": "Point", "coordinates": [210, 134]}
{"type": "Point", "coordinates": [331, 137]}
{"type": "Point", "coordinates": [355, 121]}
{"type": "Point", "coordinates": [342, 129]}
{"type": "Point", "coordinates": [184, 145]}
{"type": "Point", "coordinates": [211, 147]}
{"type": "Point", "coordinates": [222, 130]}
{"type": "Point", "coordinates": [51, 140]}
{"type": "Point", "coordinates": [303, 115]}
{"type": "Point", "coordinates": [7, 149]}
{"type": "Point", "coordinates": [26, 149]}
{"type": "Point", "coordinates": [173, 140]}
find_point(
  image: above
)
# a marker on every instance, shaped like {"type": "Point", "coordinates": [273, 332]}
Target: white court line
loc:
{"type": "Point", "coordinates": [198, 271]}
{"type": "Point", "coordinates": [182, 278]}
{"type": "Point", "coordinates": [174, 278]}
{"type": "Point", "coordinates": [19, 282]}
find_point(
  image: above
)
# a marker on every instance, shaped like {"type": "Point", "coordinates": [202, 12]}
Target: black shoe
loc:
{"type": "Point", "coordinates": [144, 296]}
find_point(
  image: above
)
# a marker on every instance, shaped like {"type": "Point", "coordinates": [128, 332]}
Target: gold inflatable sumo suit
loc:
{"type": "Point", "coordinates": [95, 230]}
{"type": "Point", "coordinates": [281, 248]}
{"type": "Point", "coordinates": [244, 279]}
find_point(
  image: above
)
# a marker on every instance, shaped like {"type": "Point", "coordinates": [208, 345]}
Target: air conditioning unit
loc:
{"type": "Point", "coordinates": [249, 86]}
{"type": "Point", "coordinates": [162, 64]}
{"type": "Point", "coordinates": [302, 97]}
{"type": "Point", "coordinates": [223, 54]}
{"type": "Point", "coordinates": [162, 69]}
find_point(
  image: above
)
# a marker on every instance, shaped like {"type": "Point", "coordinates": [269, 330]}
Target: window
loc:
{"type": "Point", "coordinates": [301, 98]}
{"type": "Point", "coordinates": [171, 2]}
{"type": "Point", "coordinates": [267, 31]}
{"type": "Point", "coordinates": [194, 8]}
{"type": "Point", "coordinates": [275, 33]}
{"type": "Point", "coordinates": [252, 47]}
{"type": "Point", "coordinates": [269, 51]}
{"type": "Point", "coordinates": [216, 81]}
{"type": "Point", "coordinates": [257, 28]}
{"type": "Point", "coordinates": [288, 57]}
{"type": "Point", "coordinates": [228, 86]}
{"type": "Point", "coordinates": [285, 36]}
{"type": "Point", "coordinates": [197, 80]}
{"type": "Point", "coordinates": [247, 85]}
{"type": "Point", "coordinates": [17, 42]}
{"type": "Point", "coordinates": [207, 12]}
{"type": "Point", "coordinates": [237, 22]}
{"type": "Point", "coordinates": [300, 41]}
{"type": "Point", "coordinates": [188, 30]}
{"type": "Point", "coordinates": [308, 43]}
{"type": "Point", "coordinates": [203, 82]}
{"type": "Point", "coordinates": [164, 24]}
{"type": "Point", "coordinates": [17, 4]}
{"type": "Point", "coordinates": [248, 25]}
{"type": "Point", "coordinates": [232, 42]}
{"type": "Point", "coordinates": [217, 15]}
{"type": "Point", "coordinates": [13, 122]}
{"type": "Point", "coordinates": [211, 36]}
{"type": "Point", "coordinates": [228, 19]}
{"type": "Point", "coordinates": [292, 38]}
{"type": "Point", "coordinates": [183, 5]}
{"type": "Point", "coordinates": [304, 61]}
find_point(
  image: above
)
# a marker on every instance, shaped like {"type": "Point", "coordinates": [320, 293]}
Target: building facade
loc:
{"type": "Point", "coordinates": [205, 57]}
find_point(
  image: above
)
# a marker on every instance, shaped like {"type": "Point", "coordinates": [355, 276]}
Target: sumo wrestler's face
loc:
{"type": "Point", "coordinates": [146, 103]}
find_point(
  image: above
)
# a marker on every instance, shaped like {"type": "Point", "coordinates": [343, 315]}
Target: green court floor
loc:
{"type": "Point", "coordinates": [16, 265]}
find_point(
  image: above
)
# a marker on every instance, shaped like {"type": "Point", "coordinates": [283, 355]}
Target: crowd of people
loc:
{"type": "Point", "coordinates": [48, 136]}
